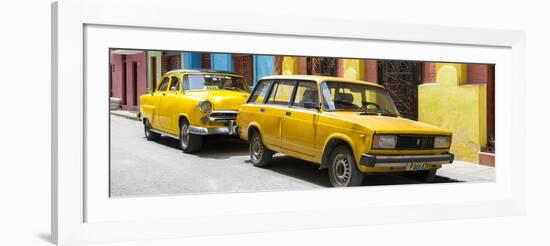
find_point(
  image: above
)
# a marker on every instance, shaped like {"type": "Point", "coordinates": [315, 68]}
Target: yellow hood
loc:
{"type": "Point", "coordinates": [221, 99]}
{"type": "Point", "coordinates": [389, 124]}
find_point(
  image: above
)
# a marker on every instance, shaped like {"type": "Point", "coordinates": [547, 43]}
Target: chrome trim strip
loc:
{"type": "Point", "coordinates": [226, 130]}
{"type": "Point", "coordinates": [165, 133]}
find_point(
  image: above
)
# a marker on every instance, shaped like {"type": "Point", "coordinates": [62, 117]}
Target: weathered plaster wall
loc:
{"type": "Point", "coordinates": [452, 104]}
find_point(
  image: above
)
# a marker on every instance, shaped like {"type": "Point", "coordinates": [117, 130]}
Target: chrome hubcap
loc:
{"type": "Point", "coordinates": [147, 128]}
{"type": "Point", "coordinates": [257, 149]}
{"type": "Point", "coordinates": [341, 169]}
{"type": "Point", "coordinates": [184, 136]}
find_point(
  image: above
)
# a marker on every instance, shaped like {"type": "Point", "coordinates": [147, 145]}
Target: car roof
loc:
{"type": "Point", "coordinates": [203, 71]}
{"type": "Point", "coordinates": [320, 78]}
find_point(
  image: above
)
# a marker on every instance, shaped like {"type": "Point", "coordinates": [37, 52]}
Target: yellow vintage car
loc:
{"type": "Point", "coordinates": [189, 104]}
{"type": "Point", "coordinates": [351, 127]}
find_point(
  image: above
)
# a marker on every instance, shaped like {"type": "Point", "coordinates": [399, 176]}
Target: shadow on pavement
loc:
{"type": "Point", "coordinates": [310, 172]}
{"type": "Point", "coordinates": [213, 147]}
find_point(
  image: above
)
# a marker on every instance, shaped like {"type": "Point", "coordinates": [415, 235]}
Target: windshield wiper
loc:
{"type": "Point", "coordinates": [380, 111]}
{"type": "Point", "coordinates": [234, 89]}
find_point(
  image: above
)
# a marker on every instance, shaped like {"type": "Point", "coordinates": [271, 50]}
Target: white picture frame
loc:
{"type": "Point", "coordinates": [82, 213]}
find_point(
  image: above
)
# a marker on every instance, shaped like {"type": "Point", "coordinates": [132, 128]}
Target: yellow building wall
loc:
{"type": "Point", "coordinates": [290, 65]}
{"type": "Point", "coordinates": [456, 106]}
{"type": "Point", "coordinates": [354, 69]}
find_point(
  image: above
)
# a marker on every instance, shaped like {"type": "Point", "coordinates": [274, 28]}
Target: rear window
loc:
{"type": "Point", "coordinates": [281, 93]}
{"type": "Point", "coordinates": [260, 92]}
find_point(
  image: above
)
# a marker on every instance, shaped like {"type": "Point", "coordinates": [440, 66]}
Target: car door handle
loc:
{"type": "Point", "coordinates": [262, 109]}
{"type": "Point", "coordinates": [288, 113]}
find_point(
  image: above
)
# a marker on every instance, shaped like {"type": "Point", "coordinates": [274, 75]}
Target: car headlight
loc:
{"type": "Point", "coordinates": [205, 106]}
{"type": "Point", "coordinates": [384, 141]}
{"type": "Point", "coordinates": [442, 142]}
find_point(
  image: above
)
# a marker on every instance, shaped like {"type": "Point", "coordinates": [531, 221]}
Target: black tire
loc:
{"type": "Point", "coordinates": [150, 135]}
{"type": "Point", "coordinates": [343, 171]}
{"type": "Point", "coordinates": [189, 143]}
{"type": "Point", "coordinates": [260, 156]}
{"type": "Point", "coordinates": [427, 176]}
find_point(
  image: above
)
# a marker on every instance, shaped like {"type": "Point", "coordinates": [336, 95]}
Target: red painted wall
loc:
{"type": "Point", "coordinates": [371, 71]}
{"type": "Point", "coordinates": [477, 73]}
{"type": "Point", "coordinates": [428, 72]}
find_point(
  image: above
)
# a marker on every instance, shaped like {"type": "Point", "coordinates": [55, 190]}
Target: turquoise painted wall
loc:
{"type": "Point", "coordinates": [192, 60]}
{"type": "Point", "coordinates": [222, 61]}
{"type": "Point", "coordinates": [263, 66]}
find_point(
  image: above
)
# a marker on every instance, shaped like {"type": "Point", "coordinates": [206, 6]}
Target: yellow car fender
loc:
{"type": "Point", "coordinates": [182, 115]}
{"type": "Point", "coordinates": [330, 143]}
{"type": "Point", "coordinates": [251, 124]}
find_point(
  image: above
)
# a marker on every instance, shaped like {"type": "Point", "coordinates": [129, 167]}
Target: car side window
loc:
{"type": "Point", "coordinates": [306, 95]}
{"type": "Point", "coordinates": [281, 93]}
{"type": "Point", "coordinates": [260, 92]}
{"type": "Point", "coordinates": [164, 84]}
{"type": "Point", "coordinates": [175, 85]}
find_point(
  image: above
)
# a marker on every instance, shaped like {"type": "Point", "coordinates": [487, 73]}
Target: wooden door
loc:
{"type": "Point", "coordinates": [243, 64]}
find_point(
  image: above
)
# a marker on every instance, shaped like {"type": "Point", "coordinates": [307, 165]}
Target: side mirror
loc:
{"type": "Point", "coordinates": [312, 105]}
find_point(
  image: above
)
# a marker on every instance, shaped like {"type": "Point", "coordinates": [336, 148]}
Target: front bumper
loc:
{"type": "Point", "coordinates": [404, 160]}
{"type": "Point", "coordinates": [230, 129]}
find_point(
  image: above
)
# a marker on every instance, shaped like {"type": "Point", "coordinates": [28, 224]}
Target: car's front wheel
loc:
{"type": "Point", "coordinates": [189, 143]}
{"type": "Point", "coordinates": [343, 171]}
{"type": "Point", "coordinates": [150, 135]}
{"type": "Point", "coordinates": [260, 156]}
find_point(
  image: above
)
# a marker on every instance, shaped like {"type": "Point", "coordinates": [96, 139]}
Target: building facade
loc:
{"type": "Point", "coordinates": [458, 97]}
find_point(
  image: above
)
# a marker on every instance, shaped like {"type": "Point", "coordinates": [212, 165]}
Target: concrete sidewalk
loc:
{"type": "Point", "coordinates": [467, 171]}
{"type": "Point", "coordinates": [126, 114]}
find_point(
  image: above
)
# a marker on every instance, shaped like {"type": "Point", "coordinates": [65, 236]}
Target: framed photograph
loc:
{"type": "Point", "coordinates": [175, 127]}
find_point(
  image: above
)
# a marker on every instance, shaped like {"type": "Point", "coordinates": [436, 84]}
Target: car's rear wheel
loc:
{"type": "Point", "coordinates": [426, 176]}
{"type": "Point", "coordinates": [343, 171]}
{"type": "Point", "coordinates": [150, 135]}
{"type": "Point", "coordinates": [260, 156]}
{"type": "Point", "coordinates": [189, 143]}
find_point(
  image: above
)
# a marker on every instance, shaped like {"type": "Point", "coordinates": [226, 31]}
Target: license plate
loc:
{"type": "Point", "coordinates": [417, 166]}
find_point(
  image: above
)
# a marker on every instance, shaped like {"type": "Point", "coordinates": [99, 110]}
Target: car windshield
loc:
{"type": "Point", "coordinates": [367, 99]}
{"type": "Point", "coordinates": [214, 82]}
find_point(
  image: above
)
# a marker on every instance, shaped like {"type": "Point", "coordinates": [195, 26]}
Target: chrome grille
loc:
{"type": "Point", "coordinates": [223, 115]}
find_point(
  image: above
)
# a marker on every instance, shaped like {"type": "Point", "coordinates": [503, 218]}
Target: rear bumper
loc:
{"type": "Point", "coordinates": [404, 160]}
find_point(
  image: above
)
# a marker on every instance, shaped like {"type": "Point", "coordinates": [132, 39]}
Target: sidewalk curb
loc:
{"type": "Point", "coordinates": [126, 114]}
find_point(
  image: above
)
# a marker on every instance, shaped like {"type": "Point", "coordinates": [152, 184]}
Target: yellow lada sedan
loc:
{"type": "Point", "coordinates": [189, 104]}
{"type": "Point", "coordinates": [350, 127]}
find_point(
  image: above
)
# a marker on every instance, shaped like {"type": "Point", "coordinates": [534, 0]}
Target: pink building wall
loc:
{"type": "Point", "coordinates": [129, 81]}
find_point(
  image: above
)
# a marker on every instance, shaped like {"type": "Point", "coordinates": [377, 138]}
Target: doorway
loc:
{"type": "Point", "coordinates": [124, 82]}
{"type": "Point", "coordinates": [243, 64]}
{"type": "Point", "coordinates": [134, 83]}
{"type": "Point", "coordinates": [401, 79]}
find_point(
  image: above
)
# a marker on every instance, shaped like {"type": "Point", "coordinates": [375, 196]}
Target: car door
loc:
{"type": "Point", "coordinates": [300, 119]}
{"type": "Point", "coordinates": [157, 95]}
{"type": "Point", "coordinates": [169, 107]}
{"type": "Point", "coordinates": [254, 110]}
{"type": "Point", "coordinates": [274, 110]}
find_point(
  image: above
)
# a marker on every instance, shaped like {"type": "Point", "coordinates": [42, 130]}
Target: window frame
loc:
{"type": "Point", "coordinates": [176, 76]}
{"type": "Point", "coordinates": [295, 90]}
{"type": "Point", "coordinates": [277, 81]}
{"type": "Point", "coordinates": [271, 81]}
{"type": "Point", "coordinates": [162, 81]}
